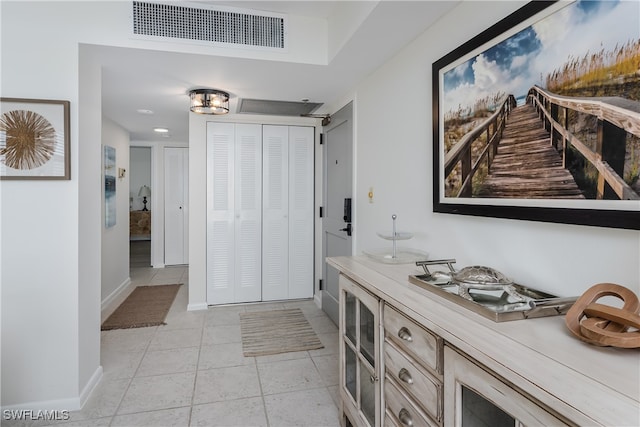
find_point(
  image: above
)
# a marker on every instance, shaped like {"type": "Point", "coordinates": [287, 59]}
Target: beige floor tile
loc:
{"type": "Point", "coordinates": [141, 276]}
{"type": "Point", "coordinates": [119, 364]}
{"type": "Point", "coordinates": [237, 382]}
{"type": "Point", "coordinates": [158, 392]}
{"type": "Point", "coordinates": [175, 417]}
{"type": "Point", "coordinates": [328, 368]}
{"type": "Point", "coordinates": [308, 308]}
{"type": "Point", "coordinates": [282, 356]}
{"type": "Point", "coordinates": [229, 315]}
{"type": "Point", "coordinates": [222, 356]}
{"type": "Point", "coordinates": [105, 399]}
{"type": "Point", "coordinates": [97, 422]}
{"type": "Point", "coordinates": [330, 342]}
{"type": "Point", "coordinates": [168, 275]}
{"type": "Point", "coordinates": [222, 334]}
{"type": "Point", "coordinates": [175, 338]}
{"type": "Point", "coordinates": [192, 370]}
{"type": "Point", "coordinates": [313, 408]}
{"type": "Point", "coordinates": [334, 391]}
{"type": "Point", "coordinates": [169, 361]}
{"type": "Point", "coordinates": [322, 324]}
{"type": "Point", "coordinates": [127, 340]}
{"type": "Point", "coordinates": [233, 413]}
{"type": "Point", "coordinates": [102, 403]}
{"type": "Point", "coordinates": [264, 306]}
{"type": "Point", "coordinates": [182, 319]}
{"type": "Point", "coordinates": [288, 375]}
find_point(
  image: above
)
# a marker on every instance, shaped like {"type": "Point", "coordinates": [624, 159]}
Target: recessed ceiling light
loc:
{"type": "Point", "coordinates": [161, 130]}
{"type": "Point", "coordinates": [143, 111]}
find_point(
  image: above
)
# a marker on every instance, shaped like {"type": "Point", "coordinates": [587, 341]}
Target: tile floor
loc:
{"type": "Point", "coordinates": [191, 372]}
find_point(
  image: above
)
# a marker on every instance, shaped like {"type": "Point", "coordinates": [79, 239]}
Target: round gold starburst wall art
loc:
{"type": "Point", "coordinates": [30, 139]}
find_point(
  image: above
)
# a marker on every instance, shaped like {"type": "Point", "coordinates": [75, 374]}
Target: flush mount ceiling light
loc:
{"type": "Point", "coordinates": [209, 101]}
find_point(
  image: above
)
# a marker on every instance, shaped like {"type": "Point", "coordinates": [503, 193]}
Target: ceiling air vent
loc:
{"type": "Point", "coordinates": [276, 108]}
{"type": "Point", "coordinates": [209, 25]}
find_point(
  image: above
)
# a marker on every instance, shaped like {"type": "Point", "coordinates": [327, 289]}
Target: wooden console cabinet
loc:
{"type": "Point", "coordinates": [139, 225]}
{"type": "Point", "coordinates": [411, 358]}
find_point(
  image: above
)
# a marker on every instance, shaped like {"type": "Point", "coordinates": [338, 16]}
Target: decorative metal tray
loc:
{"type": "Point", "coordinates": [497, 305]}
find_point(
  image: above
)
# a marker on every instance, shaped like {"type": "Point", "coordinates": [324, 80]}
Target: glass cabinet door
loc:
{"type": "Point", "coordinates": [476, 397]}
{"type": "Point", "coordinates": [359, 348]}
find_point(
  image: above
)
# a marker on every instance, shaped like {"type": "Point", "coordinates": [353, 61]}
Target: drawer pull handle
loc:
{"type": "Point", "coordinates": [404, 334]}
{"type": "Point", "coordinates": [405, 417]}
{"type": "Point", "coordinates": [405, 376]}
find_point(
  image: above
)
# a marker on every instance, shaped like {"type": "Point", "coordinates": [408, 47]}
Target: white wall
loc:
{"type": "Point", "coordinates": [50, 320]}
{"type": "Point", "coordinates": [51, 314]}
{"type": "Point", "coordinates": [394, 156]}
{"type": "Point", "coordinates": [115, 240]}
{"type": "Point", "coordinates": [50, 239]}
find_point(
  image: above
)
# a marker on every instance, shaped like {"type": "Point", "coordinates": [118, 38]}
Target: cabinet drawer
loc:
{"type": "Point", "coordinates": [421, 386]}
{"type": "Point", "coordinates": [389, 419]}
{"type": "Point", "coordinates": [403, 411]}
{"type": "Point", "coordinates": [423, 345]}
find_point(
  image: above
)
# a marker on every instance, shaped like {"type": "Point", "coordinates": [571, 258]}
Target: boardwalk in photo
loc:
{"type": "Point", "coordinates": [526, 165]}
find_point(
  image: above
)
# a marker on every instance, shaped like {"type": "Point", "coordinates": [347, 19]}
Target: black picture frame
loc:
{"type": "Point", "coordinates": [522, 209]}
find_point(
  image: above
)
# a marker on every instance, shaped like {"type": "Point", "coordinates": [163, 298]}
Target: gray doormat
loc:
{"type": "Point", "coordinates": [276, 331]}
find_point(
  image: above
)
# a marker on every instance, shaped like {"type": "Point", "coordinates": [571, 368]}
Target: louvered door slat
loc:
{"type": "Point", "coordinates": [300, 212]}
{"type": "Point", "coordinates": [275, 212]}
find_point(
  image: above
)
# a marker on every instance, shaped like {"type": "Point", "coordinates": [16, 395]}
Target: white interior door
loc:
{"type": "Point", "coordinates": [248, 213]}
{"type": "Point", "coordinates": [275, 212]}
{"type": "Point", "coordinates": [234, 212]}
{"type": "Point", "coordinates": [338, 179]}
{"type": "Point", "coordinates": [220, 213]}
{"type": "Point", "coordinates": [301, 212]}
{"type": "Point", "coordinates": [176, 190]}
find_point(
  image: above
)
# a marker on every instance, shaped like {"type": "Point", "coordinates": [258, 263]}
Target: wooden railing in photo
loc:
{"type": "Point", "coordinates": [616, 116]}
{"type": "Point", "coordinates": [461, 151]}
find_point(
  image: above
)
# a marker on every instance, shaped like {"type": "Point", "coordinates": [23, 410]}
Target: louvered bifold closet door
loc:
{"type": "Point", "coordinates": [301, 212]}
{"type": "Point", "coordinates": [248, 227]}
{"type": "Point", "coordinates": [234, 170]}
{"type": "Point", "coordinates": [275, 211]}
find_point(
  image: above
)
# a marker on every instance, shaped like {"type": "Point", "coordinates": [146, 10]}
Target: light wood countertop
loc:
{"type": "Point", "coordinates": [587, 384]}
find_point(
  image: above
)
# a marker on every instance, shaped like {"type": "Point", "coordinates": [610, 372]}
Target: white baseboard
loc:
{"type": "Point", "coordinates": [114, 299]}
{"type": "Point", "coordinates": [70, 404]}
{"type": "Point", "coordinates": [198, 306]}
{"type": "Point", "coordinates": [317, 298]}
{"type": "Point", "coordinates": [90, 386]}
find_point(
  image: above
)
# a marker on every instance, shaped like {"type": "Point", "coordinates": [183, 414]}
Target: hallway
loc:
{"type": "Point", "coordinates": [191, 371]}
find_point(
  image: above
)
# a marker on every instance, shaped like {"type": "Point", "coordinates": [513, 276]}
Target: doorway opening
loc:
{"type": "Point", "coordinates": [140, 193]}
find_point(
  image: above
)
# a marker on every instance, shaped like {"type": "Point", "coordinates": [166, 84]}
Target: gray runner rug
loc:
{"type": "Point", "coordinates": [276, 331]}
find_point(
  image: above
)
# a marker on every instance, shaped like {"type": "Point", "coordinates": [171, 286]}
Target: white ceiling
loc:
{"type": "Point", "coordinates": [136, 79]}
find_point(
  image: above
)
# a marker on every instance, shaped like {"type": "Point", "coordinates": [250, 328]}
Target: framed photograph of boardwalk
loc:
{"type": "Point", "coordinates": [538, 117]}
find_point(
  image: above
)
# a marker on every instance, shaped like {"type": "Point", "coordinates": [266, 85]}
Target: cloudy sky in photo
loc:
{"type": "Point", "coordinates": [517, 63]}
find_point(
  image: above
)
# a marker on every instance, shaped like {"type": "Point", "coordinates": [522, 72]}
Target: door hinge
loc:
{"type": "Point", "coordinates": [321, 212]}
{"type": "Point", "coordinates": [321, 138]}
{"type": "Point", "coordinates": [320, 286]}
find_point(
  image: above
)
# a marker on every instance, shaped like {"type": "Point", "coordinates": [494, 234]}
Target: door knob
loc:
{"type": "Point", "coordinates": [348, 229]}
